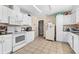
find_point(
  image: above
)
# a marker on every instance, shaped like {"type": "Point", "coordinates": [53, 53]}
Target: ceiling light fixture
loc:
{"type": "Point", "coordinates": [37, 8]}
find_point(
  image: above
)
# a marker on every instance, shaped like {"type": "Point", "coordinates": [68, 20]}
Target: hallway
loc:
{"type": "Point", "coordinates": [43, 46]}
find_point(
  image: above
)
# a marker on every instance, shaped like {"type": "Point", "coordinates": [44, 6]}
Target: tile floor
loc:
{"type": "Point", "coordinates": [43, 46]}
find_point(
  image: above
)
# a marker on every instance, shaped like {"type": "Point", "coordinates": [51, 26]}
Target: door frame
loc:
{"type": "Point", "coordinates": [43, 28]}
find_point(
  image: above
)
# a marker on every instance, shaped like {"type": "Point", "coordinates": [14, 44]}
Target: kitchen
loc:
{"type": "Point", "coordinates": [21, 25]}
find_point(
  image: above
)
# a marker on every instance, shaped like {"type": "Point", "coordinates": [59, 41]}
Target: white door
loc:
{"type": "Point", "coordinates": [7, 44]}
{"type": "Point", "coordinates": [59, 27]}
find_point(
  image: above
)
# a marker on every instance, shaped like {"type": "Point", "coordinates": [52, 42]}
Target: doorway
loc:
{"type": "Point", "coordinates": [41, 28]}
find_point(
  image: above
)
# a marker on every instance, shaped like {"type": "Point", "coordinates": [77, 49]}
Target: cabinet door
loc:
{"type": "Point", "coordinates": [19, 19]}
{"type": "Point", "coordinates": [77, 15]}
{"type": "Point", "coordinates": [25, 19]}
{"type": "Point", "coordinates": [4, 15]}
{"type": "Point", "coordinates": [73, 17]}
{"type": "Point", "coordinates": [1, 45]}
{"type": "Point", "coordinates": [0, 48]}
{"type": "Point", "coordinates": [9, 13]}
{"type": "Point", "coordinates": [12, 16]}
{"type": "Point", "coordinates": [16, 9]}
{"type": "Point", "coordinates": [30, 37]}
{"type": "Point", "coordinates": [65, 36]}
{"type": "Point", "coordinates": [30, 21]}
{"type": "Point", "coordinates": [7, 44]}
{"type": "Point", "coordinates": [0, 13]}
{"type": "Point", "coordinates": [70, 39]}
{"type": "Point", "coordinates": [68, 19]}
{"type": "Point", "coordinates": [76, 44]}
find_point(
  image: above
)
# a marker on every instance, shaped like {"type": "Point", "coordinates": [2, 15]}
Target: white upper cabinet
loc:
{"type": "Point", "coordinates": [19, 19]}
{"type": "Point", "coordinates": [15, 17]}
{"type": "Point", "coordinates": [77, 15]}
{"type": "Point", "coordinates": [16, 9]}
{"type": "Point", "coordinates": [11, 17]}
{"type": "Point", "coordinates": [3, 14]}
{"type": "Point", "coordinates": [27, 20]}
{"type": "Point", "coordinates": [68, 19]}
{"type": "Point", "coordinates": [0, 13]}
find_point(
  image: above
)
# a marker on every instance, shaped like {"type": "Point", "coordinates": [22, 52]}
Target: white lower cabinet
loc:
{"type": "Point", "coordinates": [70, 39]}
{"type": "Point", "coordinates": [0, 45]}
{"type": "Point", "coordinates": [5, 44]}
{"type": "Point", "coordinates": [76, 43]}
{"type": "Point", "coordinates": [29, 36]}
{"type": "Point", "coordinates": [0, 48]}
{"type": "Point", "coordinates": [73, 40]}
{"type": "Point", "coordinates": [65, 36]}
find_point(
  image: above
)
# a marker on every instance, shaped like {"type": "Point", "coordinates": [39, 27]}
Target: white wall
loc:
{"type": "Point", "coordinates": [46, 19]}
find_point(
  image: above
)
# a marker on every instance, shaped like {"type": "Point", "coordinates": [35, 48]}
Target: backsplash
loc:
{"type": "Point", "coordinates": [70, 26]}
{"type": "Point", "coordinates": [13, 29]}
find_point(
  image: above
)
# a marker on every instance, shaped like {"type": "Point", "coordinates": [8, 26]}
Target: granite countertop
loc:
{"type": "Point", "coordinates": [5, 34]}
{"type": "Point", "coordinates": [77, 33]}
{"type": "Point", "coordinates": [74, 32]}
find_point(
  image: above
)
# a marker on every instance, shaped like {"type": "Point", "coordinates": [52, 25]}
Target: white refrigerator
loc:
{"type": "Point", "coordinates": [50, 33]}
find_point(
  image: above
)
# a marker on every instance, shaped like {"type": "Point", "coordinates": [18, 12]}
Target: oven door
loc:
{"type": "Point", "coordinates": [18, 39]}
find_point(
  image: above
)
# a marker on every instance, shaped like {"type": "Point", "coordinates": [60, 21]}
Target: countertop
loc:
{"type": "Point", "coordinates": [77, 33]}
{"type": "Point", "coordinates": [5, 34]}
{"type": "Point", "coordinates": [74, 32]}
{"type": "Point", "coordinates": [22, 32]}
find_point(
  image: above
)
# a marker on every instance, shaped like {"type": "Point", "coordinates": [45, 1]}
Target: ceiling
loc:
{"type": "Point", "coordinates": [45, 9]}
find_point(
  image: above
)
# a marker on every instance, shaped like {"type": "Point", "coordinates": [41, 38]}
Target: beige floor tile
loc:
{"type": "Point", "coordinates": [43, 46]}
